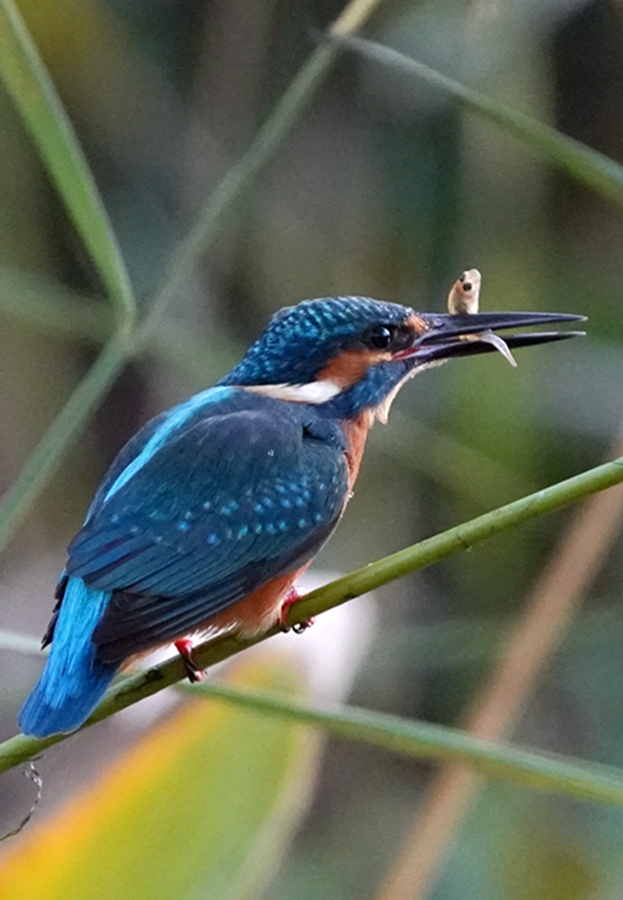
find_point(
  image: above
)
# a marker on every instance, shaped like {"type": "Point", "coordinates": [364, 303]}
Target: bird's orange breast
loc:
{"type": "Point", "coordinates": [356, 432]}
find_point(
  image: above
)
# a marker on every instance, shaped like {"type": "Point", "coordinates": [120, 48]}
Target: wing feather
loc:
{"type": "Point", "coordinates": [228, 503]}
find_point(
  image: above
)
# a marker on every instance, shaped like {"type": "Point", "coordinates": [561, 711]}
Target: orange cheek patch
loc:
{"type": "Point", "coordinates": [351, 365]}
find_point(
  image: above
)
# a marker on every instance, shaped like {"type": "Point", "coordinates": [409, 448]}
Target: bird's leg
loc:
{"type": "Point", "coordinates": [291, 597]}
{"type": "Point", "coordinates": [185, 649]}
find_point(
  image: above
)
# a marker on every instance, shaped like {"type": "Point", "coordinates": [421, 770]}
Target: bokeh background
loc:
{"type": "Point", "coordinates": [385, 188]}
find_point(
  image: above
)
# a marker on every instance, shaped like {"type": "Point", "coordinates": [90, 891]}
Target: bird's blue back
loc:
{"type": "Point", "coordinates": [208, 502]}
{"type": "Point", "coordinates": [223, 493]}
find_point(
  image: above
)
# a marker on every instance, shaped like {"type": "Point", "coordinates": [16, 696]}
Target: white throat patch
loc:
{"type": "Point", "coordinates": [313, 392]}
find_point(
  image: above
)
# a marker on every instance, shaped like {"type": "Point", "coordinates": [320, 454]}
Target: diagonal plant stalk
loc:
{"type": "Point", "coordinates": [461, 537]}
{"type": "Point", "coordinates": [602, 174]}
{"type": "Point", "coordinates": [588, 166]}
{"type": "Point", "coordinates": [76, 414]}
{"type": "Point", "coordinates": [47, 305]}
{"type": "Point", "coordinates": [133, 688]}
{"type": "Point", "coordinates": [21, 53]}
{"type": "Point", "coordinates": [35, 96]}
{"type": "Point", "coordinates": [554, 602]}
{"type": "Point", "coordinates": [421, 740]}
{"type": "Point", "coordinates": [232, 189]}
{"type": "Point", "coordinates": [418, 740]}
{"type": "Point", "coordinates": [36, 99]}
{"type": "Point", "coordinates": [64, 430]}
{"type": "Point", "coordinates": [500, 703]}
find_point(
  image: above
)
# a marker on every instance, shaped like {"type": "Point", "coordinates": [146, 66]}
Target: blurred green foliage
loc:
{"type": "Point", "coordinates": [384, 188]}
{"type": "Point", "coordinates": [199, 807]}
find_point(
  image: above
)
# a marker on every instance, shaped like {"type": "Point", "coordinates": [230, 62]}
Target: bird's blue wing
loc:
{"type": "Point", "coordinates": [154, 434]}
{"type": "Point", "coordinates": [223, 505]}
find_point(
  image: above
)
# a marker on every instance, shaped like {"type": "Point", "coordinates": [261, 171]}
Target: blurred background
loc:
{"type": "Point", "coordinates": [385, 189]}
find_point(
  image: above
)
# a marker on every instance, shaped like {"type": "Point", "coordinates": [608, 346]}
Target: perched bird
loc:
{"type": "Point", "coordinates": [211, 511]}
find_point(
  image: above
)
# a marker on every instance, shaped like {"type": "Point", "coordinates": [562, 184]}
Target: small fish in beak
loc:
{"type": "Point", "coordinates": [464, 294]}
{"type": "Point", "coordinates": [463, 299]}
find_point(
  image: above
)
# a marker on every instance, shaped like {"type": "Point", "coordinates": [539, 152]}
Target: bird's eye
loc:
{"type": "Point", "coordinates": [379, 337]}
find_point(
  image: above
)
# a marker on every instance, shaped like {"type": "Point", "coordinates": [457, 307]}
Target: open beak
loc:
{"type": "Point", "coordinates": [451, 336]}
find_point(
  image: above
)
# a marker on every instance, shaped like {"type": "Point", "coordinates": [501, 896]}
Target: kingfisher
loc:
{"type": "Point", "coordinates": [210, 513]}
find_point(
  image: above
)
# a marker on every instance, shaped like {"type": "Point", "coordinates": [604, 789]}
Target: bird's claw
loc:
{"type": "Point", "coordinates": [282, 620]}
{"type": "Point", "coordinates": [300, 627]}
{"type": "Point", "coordinates": [185, 649]}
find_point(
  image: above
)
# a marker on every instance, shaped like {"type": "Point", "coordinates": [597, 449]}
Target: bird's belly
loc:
{"type": "Point", "coordinates": [249, 617]}
{"type": "Point", "coordinates": [257, 612]}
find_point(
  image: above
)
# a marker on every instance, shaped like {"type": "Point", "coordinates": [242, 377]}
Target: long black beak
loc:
{"type": "Point", "coordinates": [464, 335]}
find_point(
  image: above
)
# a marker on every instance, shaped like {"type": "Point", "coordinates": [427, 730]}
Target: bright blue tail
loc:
{"type": "Point", "coordinates": [73, 680]}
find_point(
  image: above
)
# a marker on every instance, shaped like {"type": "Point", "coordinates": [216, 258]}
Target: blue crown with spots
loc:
{"type": "Point", "coordinates": [300, 340]}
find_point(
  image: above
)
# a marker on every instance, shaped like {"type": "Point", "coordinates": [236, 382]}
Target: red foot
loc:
{"type": "Point", "coordinates": [291, 597]}
{"type": "Point", "coordinates": [185, 649]}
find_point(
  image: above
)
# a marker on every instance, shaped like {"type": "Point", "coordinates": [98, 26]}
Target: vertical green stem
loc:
{"type": "Point", "coordinates": [36, 99]}
{"type": "Point", "coordinates": [64, 430]}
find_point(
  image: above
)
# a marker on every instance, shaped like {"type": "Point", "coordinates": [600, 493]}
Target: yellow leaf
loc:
{"type": "Point", "coordinates": [205, 802]}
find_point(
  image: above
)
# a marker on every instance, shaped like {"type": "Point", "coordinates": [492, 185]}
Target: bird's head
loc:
{"type": "Point", "coordinates": [352, 354]}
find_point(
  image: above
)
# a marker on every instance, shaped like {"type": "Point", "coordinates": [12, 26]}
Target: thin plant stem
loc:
{"type": "Point", "coordinates": [235, 185]}
{"type": "Point", "coordinates": [64, 430]}
{"type": "Point", "coordinates": [36, 99]}
{"type": "Point", "coordinates": [22, 68]}
{"type": "Point", "coordinates": [461, 537]}
{"type": "Point", "coordinates": [499, 705]}
{"type": "Point", "coordinates": [49, 306]}
{"type": "Point", "coordinates": [588, 166]}
{"type": "Point", "coordinates": [421, 740]}
{"type": "Point", "coordinates": [131, 689]}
